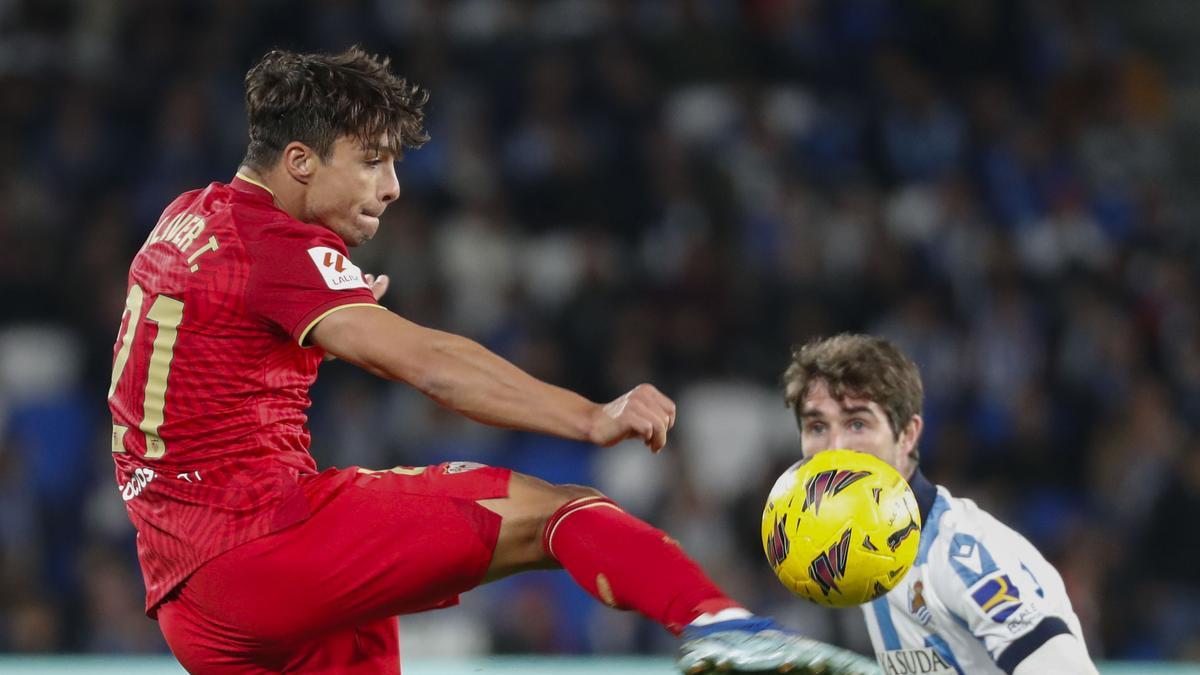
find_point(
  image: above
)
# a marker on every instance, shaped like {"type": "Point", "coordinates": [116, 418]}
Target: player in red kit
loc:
{"type": "Point", "coordinates": [257, 562]}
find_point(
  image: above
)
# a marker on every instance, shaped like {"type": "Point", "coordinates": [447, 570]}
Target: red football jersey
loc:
{"type": "Point", "coordinates": [211, 374]}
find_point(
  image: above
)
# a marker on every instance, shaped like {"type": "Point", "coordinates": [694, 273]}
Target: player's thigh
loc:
{"type": "Point", "coordinates": [524, 513]}
{"type": "Point", "coordinates": [387, 543]}
{"type": "Point", "coordinates": [368, 649]}
{"type": "Point", "coordinates": [199, 645]}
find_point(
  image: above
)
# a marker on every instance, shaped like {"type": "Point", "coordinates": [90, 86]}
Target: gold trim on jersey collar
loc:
{"type": "Point", "coordinates": [251, 181]}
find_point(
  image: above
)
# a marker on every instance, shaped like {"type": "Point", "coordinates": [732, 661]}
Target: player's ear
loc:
{"type": "Point", "coordinates": [300, 161]}
{"type": "Point", "coordinates": [910, 435]}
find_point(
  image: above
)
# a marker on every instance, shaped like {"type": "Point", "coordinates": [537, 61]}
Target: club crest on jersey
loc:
{"type": "Point", "coordinates": [830, 566]}
{"type": "Point", "coordinates": [828, 482]}
{"type": "Point", "coordinates": [336, 269]}
{"type": "Point", "coordinates": [916, 603]}
{"type": "Point", "coordinates": [778, 543]}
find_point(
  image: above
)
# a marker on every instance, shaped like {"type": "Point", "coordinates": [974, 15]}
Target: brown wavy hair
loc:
{"type": "Point", "coordinates": [318, 98]}
{"type": "Point", "coordinates": [857, 366]}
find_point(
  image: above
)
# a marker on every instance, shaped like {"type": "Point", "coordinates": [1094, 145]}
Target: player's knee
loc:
{"type": "Point", "coordinates": [546, 498]}
{"type": "Point", "coordinates": [531, 504]}
{"type": "Point", "coordinates": [563, 497]}
{"type": "Point", "coordinates": [558, 500]}
{"type": "Point", "coordinates": [568, 493]}
{"type": "Point", "coordinates": [569, 498]}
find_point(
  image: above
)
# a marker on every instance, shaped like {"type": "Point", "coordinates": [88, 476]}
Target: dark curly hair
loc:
{"type": "Point", "coordinates": [317, 98]}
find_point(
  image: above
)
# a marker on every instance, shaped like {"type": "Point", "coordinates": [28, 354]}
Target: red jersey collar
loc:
{"type": "Point", "coordinates": [251, 186]}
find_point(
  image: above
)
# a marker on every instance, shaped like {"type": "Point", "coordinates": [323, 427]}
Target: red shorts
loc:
{"type": "Point", "coordinates": [322, 595]}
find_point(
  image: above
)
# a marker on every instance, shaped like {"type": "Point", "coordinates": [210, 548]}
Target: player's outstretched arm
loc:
{"type": "Point", "coordinates": [464, 376]}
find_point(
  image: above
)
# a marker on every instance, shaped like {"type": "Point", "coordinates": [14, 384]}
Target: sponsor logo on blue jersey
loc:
{"type": "Point", "coordinates": [926, 661]}
{"type": "Point", "coordinates": [998, 597]}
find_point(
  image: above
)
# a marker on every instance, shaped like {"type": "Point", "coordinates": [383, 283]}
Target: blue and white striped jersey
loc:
{"type": "Point", "coordinates": [979, 599]}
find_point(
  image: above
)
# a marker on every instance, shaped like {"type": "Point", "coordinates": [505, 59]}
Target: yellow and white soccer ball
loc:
{"type": "Point", "coordinates": [841, 528]}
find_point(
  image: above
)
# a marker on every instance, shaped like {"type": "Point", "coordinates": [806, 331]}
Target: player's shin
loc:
{"type": "Point", "coordinates": [627, 564]}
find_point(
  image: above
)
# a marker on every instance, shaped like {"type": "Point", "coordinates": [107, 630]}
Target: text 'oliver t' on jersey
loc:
{"type": "Point", "coordinates": [211, 376]}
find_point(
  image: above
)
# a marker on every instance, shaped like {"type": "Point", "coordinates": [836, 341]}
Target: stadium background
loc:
{"type": "Point", "coordinates": [675, 192]}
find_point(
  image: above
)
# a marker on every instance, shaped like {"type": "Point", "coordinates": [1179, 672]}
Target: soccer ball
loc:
{"type": "Point", "coordinates": [841, 528]}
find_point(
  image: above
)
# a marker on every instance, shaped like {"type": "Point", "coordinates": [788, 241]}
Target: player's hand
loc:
{"type": "Point", "coordinates": [378, 284]}
{"type": "Point", "coordinates": [644, 412]}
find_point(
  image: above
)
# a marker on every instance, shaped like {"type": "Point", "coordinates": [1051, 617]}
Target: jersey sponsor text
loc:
{"type": "Point", "coordinates": [913, 661]}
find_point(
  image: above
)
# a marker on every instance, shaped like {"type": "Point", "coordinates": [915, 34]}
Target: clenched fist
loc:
{"type": "Point", "coordinates": [644, 412]}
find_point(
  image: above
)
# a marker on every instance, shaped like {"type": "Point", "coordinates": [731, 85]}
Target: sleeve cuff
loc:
{"type": "Point", "coordinates": [1028, 643]}
{"type": "Point", "coordinates": [302, 335]}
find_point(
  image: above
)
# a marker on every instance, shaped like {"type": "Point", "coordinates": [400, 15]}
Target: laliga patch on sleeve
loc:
{"type": "Point", "coordinates": [339, 273]}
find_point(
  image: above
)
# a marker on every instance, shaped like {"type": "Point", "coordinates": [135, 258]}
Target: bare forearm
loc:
{"type": "Point", "coordinates": [464, 376]}
{"type": "Point", "coordinates": [467, 378]}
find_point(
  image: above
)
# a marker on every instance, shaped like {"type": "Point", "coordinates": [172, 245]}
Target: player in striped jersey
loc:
{"type": "Point", "coordinates": [980, 598]}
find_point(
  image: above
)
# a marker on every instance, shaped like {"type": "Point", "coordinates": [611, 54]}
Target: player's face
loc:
{"type": "Point", "coordinates": [349, 192]}
{"type": "Point", "coordinates": [827, 423]}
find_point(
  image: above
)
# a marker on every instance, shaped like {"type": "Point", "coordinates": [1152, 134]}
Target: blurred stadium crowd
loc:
{"type": "Point", "coordinates": [666, 191]}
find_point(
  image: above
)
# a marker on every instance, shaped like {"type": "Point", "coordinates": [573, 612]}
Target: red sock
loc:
{"type": "Point", "coordinates": [627, 564]}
